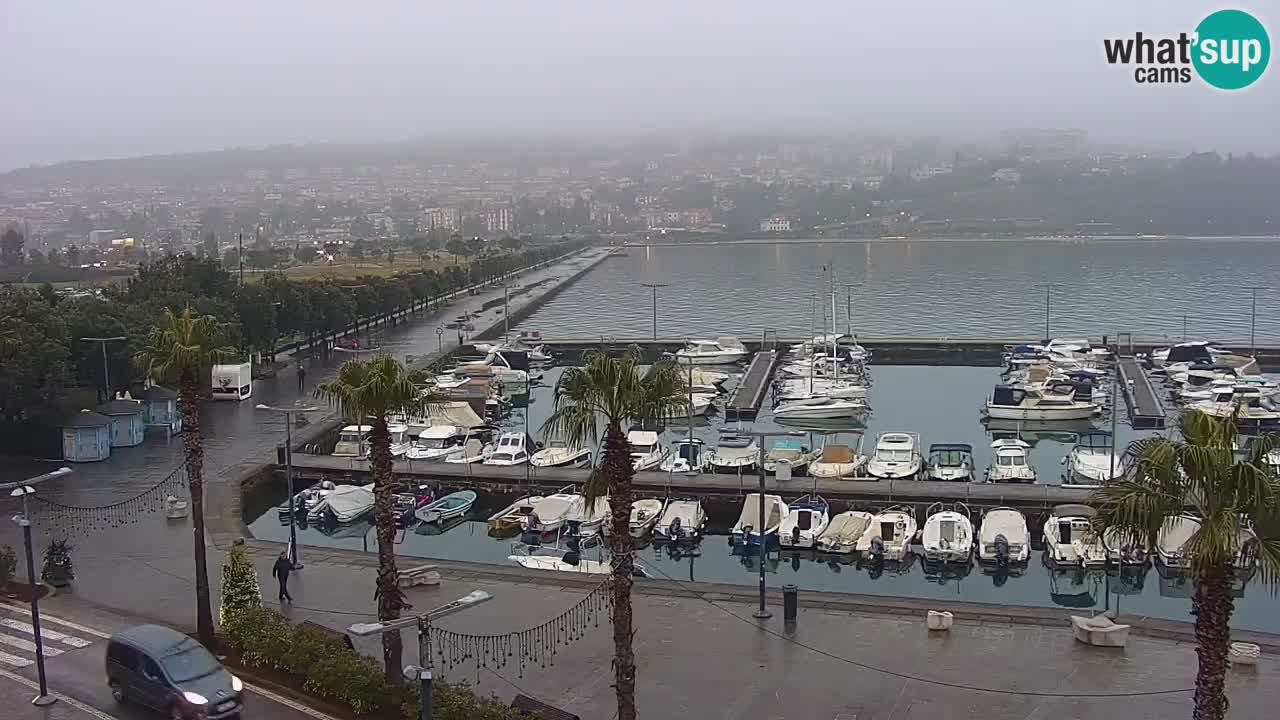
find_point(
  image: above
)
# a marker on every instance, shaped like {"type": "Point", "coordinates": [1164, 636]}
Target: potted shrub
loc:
{"type": "Point", "coordinates": [57, 564]}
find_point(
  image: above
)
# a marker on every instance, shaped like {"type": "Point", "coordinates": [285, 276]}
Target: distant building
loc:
{"type": "Point", "coordinates": [776, 224]}
{"type": "Point", "coordinates": [930, 171]}
{"type": "Point", "coordinates": [102, 238]}
{"type": "Point", "coordinates": [1007, 175]}
{"type": "Point", "coordinates": [499, 220]}
{"type": "Point", "coordinates": [443, 218]}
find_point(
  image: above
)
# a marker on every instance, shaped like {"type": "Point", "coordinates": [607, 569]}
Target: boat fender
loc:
{"type": "Point", "coordinates": [902, 525]}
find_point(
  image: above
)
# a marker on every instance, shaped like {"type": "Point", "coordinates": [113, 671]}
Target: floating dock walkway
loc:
{"type": "Point", "coordinates": [747, 398]}
{"type": "Point", "coordinates": [860, 492]}
{"type": "Point", "coordinates": [1145, 409]}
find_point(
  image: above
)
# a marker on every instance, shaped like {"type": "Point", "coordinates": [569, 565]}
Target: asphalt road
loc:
{"type": "Point", "coordinates": [74, 668]}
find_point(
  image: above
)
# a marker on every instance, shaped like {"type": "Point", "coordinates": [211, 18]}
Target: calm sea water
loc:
{"type": "Point", "coordinates": [940, 403]}
{"type": "Point", "coordinates": [962, 288]}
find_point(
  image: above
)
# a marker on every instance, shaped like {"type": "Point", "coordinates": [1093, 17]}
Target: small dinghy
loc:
{"type": "Point", "coordinates": [343, 504]}
{"type": "Point", "coordinates": [837, 461]}
{"type": "Point", "coordinates": [446, 508]}
{"type": "Point", "coordinates": [948, 534]}
{"type": "Point", "coordinates": [806, 519]}
{"type": "Point", "coordinates": [888, 535]}
{"type": "Point", "coordinates": [681, 520]}
{"type": "Point", "coordinates": [1069, 538]}
{"type": "Point", "coordinates": [790, 454]}
{"type": "Point", "coordinates": [747, 530]}
{"type": "Point", "coordinates": [843, 531]}
{"type": "Point", "coordinates": [645, 514]}
{"type": "Point", "coordinates": [304, 501]}
{"type": "Point", "coordinates": [733, 459]}
{"type": "Point", "coordinates": [1003, 538]}
{"type": "Point", "coordinates": [510, 520]}
{"type": "Point", "coordinates": [176, 508]}
{"type": "Point", "coordinates": [557, 453]}
{"type": "Point", "coordinates": [549, 515]}
{"type": "Point", "coordinates": [588, 518]}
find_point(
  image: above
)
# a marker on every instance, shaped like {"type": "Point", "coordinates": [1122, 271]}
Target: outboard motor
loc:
{"type": "Point", "coordinates": [1002, 550]}
{"type": "Point", "coordinates": [877, 549]}
{"type": "Point", "coordinates": [795, 536]}
{"type": "Point", "coordinates": [572, 557]}
{"type": "Point", "coordinates": [674, 530]}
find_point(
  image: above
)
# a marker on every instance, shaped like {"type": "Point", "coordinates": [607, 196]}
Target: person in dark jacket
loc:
{"type": "Point", "coordinates": [280, 571]}
{"type": "Point", "coordinates": [302, 377]}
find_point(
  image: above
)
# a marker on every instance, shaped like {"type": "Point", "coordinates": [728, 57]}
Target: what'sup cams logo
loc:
{"type": "Point", "coordinates": [1229, 50]}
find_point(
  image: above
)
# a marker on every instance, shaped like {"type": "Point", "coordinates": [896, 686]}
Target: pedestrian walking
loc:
{"type": "Point", "coordinates": [302, 377]}
{"type": "Point", "coordinates": [280, 571]}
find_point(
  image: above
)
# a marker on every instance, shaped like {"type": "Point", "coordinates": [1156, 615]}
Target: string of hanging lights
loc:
{"type": "Point", "coordinates": [63, 520]}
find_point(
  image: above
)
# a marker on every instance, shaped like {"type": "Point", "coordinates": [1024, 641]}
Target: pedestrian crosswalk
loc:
{"type": "Point", "coordinates": [17, 637]}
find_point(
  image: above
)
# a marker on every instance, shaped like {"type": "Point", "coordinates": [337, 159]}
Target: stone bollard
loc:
{"type": "Point", "coordinates": [790, 603]}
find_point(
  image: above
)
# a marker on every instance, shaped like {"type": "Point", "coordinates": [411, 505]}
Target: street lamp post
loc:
{"type": "Point", "coordinates": [23, 489]}
{"type": "Point", "coordinates": [106, 373]}
{"type": "Point", "coordinates": [654, 287]}
{"type": "Point", "coordinates": [288, 413]}
{"type": "Point", "coordinates": [1253, 318]}
{"type": "Point", "coordinates": [762, 613]}
{"type": "Point", "coordinates": [1047, 288]}
{"type": "Point", "coordinates": [423, 623]}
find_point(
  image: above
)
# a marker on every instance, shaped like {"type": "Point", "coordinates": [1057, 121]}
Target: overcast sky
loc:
{"type": "Point", "coordinates": [90, 79]}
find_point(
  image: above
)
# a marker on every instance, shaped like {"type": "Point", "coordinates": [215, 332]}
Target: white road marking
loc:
{"type": "Point", "coordinates": [24, 644]}
{"type": "Point", "coordinates": [95, 712]}
{"type": "Point", "coordinates": [46, 633]}
{"type": "Point", "coordinates": [282, 700]}
{"type": "Point", "coordinates": [14, 660]}
{"type": "Point", "coordinates": [45, 617]}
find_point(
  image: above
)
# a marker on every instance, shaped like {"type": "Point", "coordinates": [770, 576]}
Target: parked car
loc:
{"type": "Point", "coordinates": [162, 669]}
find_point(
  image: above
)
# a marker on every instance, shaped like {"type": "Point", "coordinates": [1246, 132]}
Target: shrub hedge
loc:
{"type": "Point", "coordinates": [330, 670]}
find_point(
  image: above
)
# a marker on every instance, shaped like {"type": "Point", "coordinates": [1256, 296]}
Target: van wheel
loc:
{"type": "Point", "coordinates": [117, 693]}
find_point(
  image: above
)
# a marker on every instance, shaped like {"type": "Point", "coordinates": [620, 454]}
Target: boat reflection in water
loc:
{"type": "Point", "coordinates": [1177, 584]}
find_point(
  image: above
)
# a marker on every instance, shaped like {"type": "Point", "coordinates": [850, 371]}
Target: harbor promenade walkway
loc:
{"type": "Point", "coordinates": [701, 654]}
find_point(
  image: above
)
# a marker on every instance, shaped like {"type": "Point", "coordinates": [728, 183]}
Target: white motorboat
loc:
{"type": "Point", "coordinates": [721, 351]}
{"type": "Point", "coordinates": [473, 450]}
{"type": "Point", "coordinates": [512, 449]}
{"type": "Point", "coordinates": [353, 441]}
{"type": "Point", "coordinates": [1122, 550]}
{"type": "Point", "coordinates": [702, 402]}
{"type": "Point", "coordinates": [1245, 403]}
{"type": "Point", "coordinates": [645, 514]}
{"type": "Point", "coordinates": [681, 520]}
{"type": "Point", "coordinates": [557, 453]}
{"type": "Point", "coordinates": [1009, 462]}
{"type": "Point", "coordinates": [747, 531]}
{"type": "Point", "coordinates": [952, 462]}
{"type": "Point", "coordinates": [588, 517]}
{"type": "Point", "coordinates": [788, 453]}
{"type": "Point", "coordinates": [1176, 531]}
{"type": "Point", "coordinates": [510, 519]}
{"type": "Point", "coordinates": [560, 560]}
{"type": "Point", "coordinates": [535, 353]}
{"type": "Point", "coordinates": [1069, 537]}
{"type": "Point", "coordinates": [897, 456]}
{"type": "Point", "coordinates": [343, 504]}
{"type": "Point", "coordinates": [1093, 461]}
{"type": "Point", "coordinates": [1003, 538]}
{"type": "Point", "coordinates": [800, 389]}
{"type": "Point", "coordinates": [819, 408]}
{"type": "Point", "coordinates": [806, 519]}
{"type": "Point", "coordinates": [508, 368]}
{"type": "Point", "coordinates": [843, 532]}
{"type": "Point", "coordinates": [837, 461]}
{"type": "Point", "coordinates": [646, 452]}
{"type": "Point", "coordinates": [733, 459]}
{"type": "Point", "coordinates": [1057, 402]}
{"type": "Point", "coordinates": [1202, 353]}
{"type": "Point", "coordinates": [400, 440]}
{"type": "Point", "coordinates": [436, 442]}
{"type": "Point", "coordinates": [549, 515]}
{"type": "Point", "coordinates": [948, 534]}
{"type": "Point", "coordinates": [690, 456]}
{"type": "Point", "coordinates": [889, 535]}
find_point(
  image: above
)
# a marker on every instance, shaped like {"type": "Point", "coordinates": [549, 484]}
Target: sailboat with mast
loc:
{"type": "Point", "coordinates": [834, 398]}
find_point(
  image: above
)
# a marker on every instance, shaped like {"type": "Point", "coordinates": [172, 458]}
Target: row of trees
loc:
{"type": "Point", "coordinates": [45, 361]}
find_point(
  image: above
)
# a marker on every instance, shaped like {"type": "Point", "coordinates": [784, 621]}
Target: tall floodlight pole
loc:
{"type": "Point", "coordinates": [654, 287]}
{"type": "Point", "coordinates": [106, 373]}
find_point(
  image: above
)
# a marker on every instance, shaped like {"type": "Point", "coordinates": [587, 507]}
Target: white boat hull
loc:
{"type": "Point", "coordinates": [720, 358]}
{"type": "Point", "coordinates": [1077, 411]}
{"type": "Point", "coordinates": [892, 470]}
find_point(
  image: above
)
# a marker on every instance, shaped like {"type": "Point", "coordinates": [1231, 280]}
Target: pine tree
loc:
{"type": "Point", "coordinates": [240, 591]}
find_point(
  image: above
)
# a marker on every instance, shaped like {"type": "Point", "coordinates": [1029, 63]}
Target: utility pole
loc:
{"type": "Point", "coordinates": [106, 372]}
{"type": "Point", "coordinates": [288, 413]}
{"type": "Point", "coordinates": [23, 489]}
{"type": "Point", "coordinates": [655, 287]}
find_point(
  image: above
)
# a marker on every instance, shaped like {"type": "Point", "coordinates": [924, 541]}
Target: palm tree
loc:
{"type": "Point", "coordinates": [619, 392]}
{"type": "Point", "coordinates": [1201, 477]}
{"type": "Point", "coordinates": [181, 349]}
{"type": "Point", "coordinates": [372, 390]}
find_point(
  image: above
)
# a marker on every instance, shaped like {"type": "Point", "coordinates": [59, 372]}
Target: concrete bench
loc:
{"type": "Point", "coordinates": [420, 575]}
{"type": "Point", "coordinates": [1099, 631]}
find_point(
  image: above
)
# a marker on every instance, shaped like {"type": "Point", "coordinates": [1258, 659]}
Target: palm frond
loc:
{"type": "Point", "coordinates": [375, 388]}
{"type": "Point", "coordinates": [183, 345]}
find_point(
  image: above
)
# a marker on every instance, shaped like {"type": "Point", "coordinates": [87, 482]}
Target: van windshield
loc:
{"type": "Point", "coordinates": [189, 663]}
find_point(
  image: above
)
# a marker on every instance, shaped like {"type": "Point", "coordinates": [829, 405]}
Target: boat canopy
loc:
{"type": "Point", "coordinates": [837, 454]}
{"type": "Point", "coordinates": [457, 413]}
{"type": "Point", "coordinates": [1191, 352]}
{"type": "Point", "coordinates": [1074, 510]}
{"type": "Point", "coordinates": [1007, 395]}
